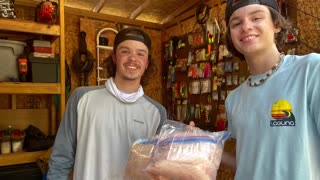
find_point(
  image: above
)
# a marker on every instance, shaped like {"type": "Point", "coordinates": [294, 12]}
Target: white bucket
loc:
{"type": "Point", "coordinates": [9, 53]}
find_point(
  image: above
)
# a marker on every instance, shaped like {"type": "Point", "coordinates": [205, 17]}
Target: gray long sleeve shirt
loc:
{"type": "Point", "coordinates": [97, 132]}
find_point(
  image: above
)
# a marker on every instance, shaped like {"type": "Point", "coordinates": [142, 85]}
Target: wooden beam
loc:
{"type": "Point", "coordinates": [62, 56]}
{"type": "Point", "coordinates": [30, 3]}
{"type": "Point", "coordinates": [186, 15]}
{"type": "Point", "coordinates": [186, 6]}
{"type": "Point", "coordinates": [13, 101]}
{"type": "Point", "coordinates": [25, 26]}
{"type": "Point", "coordinates": [20, 158]}
{"type": "Point", "coordinates": [111, 18]}
{"type": "Point", "coordinates": [29, 88]}
{"type": "Point", "coordinates": [98, 6]}
{"type": "Point", "coordinates": [138, 11]}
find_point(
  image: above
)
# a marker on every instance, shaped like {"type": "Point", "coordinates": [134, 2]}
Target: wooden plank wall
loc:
{"type": "Point", "coordinates": [21, 112]}
{"type": "Point", "coordinates": [22, 118]}
{"type": "Point", "coordinates": [305, 15]}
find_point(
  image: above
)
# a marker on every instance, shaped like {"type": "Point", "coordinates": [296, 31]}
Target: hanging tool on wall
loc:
{"type": "Point", "coordinates": [83, 60]}
{"type": "Point", "coordinates": [202, 14]}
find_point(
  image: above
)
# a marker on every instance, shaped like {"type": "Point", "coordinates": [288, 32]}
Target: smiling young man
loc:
{"type": "Point", "coordinates": [102, 122]}
{"type": "Point", "coordinates": [274, 114]}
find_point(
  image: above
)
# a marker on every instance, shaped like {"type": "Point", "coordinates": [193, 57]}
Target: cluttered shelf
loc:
{"type": "Point", "coordinates": [19, 158]}
{"type": "Point", "coordinates": [25, 26]}
{"type": "Point", "coordinates": [27, 38]}
{"type": "Point", "coordinates": [29, 88]}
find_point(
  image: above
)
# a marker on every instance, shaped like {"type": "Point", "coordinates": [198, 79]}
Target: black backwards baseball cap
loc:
{"type": "Point", "coordinates": [233, 5]}
{"type": "Point", "coordinates": [132, 33]}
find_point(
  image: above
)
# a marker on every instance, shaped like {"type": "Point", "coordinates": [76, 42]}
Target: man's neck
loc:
{"type": "Point", "coordinates": [260, 63]}
{"type": "Point", "coordinates": [127, 86]}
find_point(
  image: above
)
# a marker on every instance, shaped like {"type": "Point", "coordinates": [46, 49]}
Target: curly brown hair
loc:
{"type": "Point", "coordinates": [278, 21]}
{"type": "Point", "coordinates": [111, 69]}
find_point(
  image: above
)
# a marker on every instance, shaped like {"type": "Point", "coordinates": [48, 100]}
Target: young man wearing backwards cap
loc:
{"type": "Point", "coordinates": [274, 114]}
{"type": "Point", "coordinates": [102, 122]}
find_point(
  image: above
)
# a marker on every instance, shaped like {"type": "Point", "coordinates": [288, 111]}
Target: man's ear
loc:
{"type": "Point", "coordinates": [277, 29]}
{"type": "Point", "coordinates": [113, 58]}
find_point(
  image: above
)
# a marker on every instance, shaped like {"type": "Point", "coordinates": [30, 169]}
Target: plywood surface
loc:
{"type": "Point", "coordinates": [22, 118]}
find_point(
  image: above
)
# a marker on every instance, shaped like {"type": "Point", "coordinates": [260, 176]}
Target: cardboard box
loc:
{"type": "Point", "coordinates": [40, 49]}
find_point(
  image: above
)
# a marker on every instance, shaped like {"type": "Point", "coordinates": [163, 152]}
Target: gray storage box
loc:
{"type": "Point", "coordinates": [9, 52]}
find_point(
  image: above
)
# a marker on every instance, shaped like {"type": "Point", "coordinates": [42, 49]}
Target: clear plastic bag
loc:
{"type": "Point", "coordinates": [139, 158]}
{"type": "Point", "coordinates": [181, 152]}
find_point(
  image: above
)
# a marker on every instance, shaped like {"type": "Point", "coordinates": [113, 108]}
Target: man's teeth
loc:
{"type": "Point", "coordinates": [248, 38]}
{"type": "Point", "coordinates": [132, 67]}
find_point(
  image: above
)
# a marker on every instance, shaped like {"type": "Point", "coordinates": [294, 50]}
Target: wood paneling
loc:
{"type": "Point", "coordinates": [22, 118]}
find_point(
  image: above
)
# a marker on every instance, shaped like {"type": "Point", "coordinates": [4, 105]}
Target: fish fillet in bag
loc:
{"type": "Point", "coordinates": [139, 158]}
{"type": "Point", "coordinates": [187, 153]}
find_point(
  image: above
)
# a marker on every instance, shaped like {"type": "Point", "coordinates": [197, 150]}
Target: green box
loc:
{"type": "Point", "coordinates": [44, 70]}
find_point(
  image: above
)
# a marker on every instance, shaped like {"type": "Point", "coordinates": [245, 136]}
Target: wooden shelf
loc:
{"type": "Point", "coordinates": [19, 158]}
{"type": "Point", "coordinates": [29, 88]}
{"type": "Point", "coordinates": [24, 30]}
{"type": "Point", "coordinates": [24, 26]}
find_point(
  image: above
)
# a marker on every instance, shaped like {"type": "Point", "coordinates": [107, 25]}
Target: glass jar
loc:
{"type": "Point", "coordinates": [5, 144]}
{"type": "Point", "coordinates": [17, 144]}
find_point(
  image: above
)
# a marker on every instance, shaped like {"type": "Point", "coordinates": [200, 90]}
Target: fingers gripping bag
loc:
{"type": "Point", "coordinates": [183, 152]}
